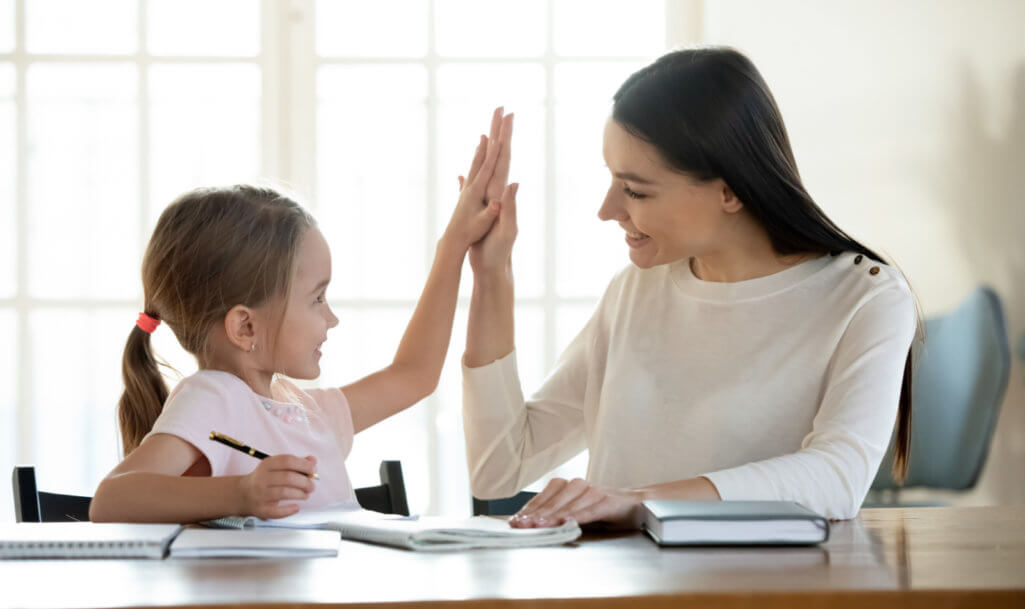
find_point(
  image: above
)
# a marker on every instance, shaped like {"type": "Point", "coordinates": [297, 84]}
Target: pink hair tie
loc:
{"type": "Point", "coordinates": [146, 323]}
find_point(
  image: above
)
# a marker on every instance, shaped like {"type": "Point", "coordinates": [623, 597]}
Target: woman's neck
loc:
{"type": "Point", "coordinates": [748, 255]}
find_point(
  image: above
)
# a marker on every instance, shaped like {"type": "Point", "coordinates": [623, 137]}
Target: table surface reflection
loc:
{"type": "Point", "coordinates": [885, 557]}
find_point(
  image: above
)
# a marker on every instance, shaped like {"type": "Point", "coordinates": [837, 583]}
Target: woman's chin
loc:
{"type": "Point", "coordinates": [642, 259]}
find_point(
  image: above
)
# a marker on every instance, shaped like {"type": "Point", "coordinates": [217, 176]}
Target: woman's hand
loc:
{"type": "Point", "coordinates": [276, 479]}
{"type": "Point", "coordinates": [578, 500]}
{"type": "Point", "coordinates": [483, 191]}
{"type": "Point", "coordinates": [494, 250]}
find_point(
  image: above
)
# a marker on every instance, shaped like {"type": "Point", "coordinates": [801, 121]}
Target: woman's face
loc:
{"type": "Point", "coordinates": [667, 216]}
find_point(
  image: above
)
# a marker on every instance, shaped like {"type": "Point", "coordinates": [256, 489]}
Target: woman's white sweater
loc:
{"type": "Point", "coordinates": [783, 387]}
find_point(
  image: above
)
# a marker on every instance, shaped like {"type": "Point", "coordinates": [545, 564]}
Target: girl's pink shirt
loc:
{"type": "Point", "coordinates": [299, 422]}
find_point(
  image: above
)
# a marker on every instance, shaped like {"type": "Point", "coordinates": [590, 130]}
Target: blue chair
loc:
{"type": "Point", "coordinates": [957, 389]}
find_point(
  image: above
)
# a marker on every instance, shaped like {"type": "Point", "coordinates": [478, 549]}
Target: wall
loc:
{"type": "Point", "coordinates": [908, 123]}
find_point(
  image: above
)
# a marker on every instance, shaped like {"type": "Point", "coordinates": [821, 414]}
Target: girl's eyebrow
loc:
{"type": "Point", "coordinates": [323, 284]}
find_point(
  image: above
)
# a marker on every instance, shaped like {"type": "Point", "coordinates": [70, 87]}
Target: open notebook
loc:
{"type": "Point", "coordinates": [425, 533]}
{"type": "Point", "coordinates": [198, 542]}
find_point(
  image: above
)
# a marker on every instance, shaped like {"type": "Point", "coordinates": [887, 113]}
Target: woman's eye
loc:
{"type": "Point", "coordinates": [633, 194]}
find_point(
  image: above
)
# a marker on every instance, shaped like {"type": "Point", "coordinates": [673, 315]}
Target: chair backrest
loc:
{"type": "Point", "coordinates": [958, 386]}
{"type": "Point", "coordinates": [32, 505]}
{"type": "Point", "coordinates": [501, 507]}
{"type": "Point", "coordinates": [390, 496]}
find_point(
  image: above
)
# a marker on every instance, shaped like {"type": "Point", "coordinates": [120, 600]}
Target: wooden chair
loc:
{"type": "Point", "coordinates": [33, 505]}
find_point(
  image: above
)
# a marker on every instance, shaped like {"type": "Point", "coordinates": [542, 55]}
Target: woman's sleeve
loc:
{"type": "Point", "coordinates": [511, 442]}
{"type": "Point", "coordinates": [833, 470]}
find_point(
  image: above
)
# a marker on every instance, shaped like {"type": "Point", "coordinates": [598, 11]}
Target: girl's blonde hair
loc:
{"type": "Point", "coordinates": [212, 249]}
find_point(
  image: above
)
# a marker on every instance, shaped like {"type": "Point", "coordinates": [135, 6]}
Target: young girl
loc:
{"type": "Point", "coordinates": [240, 274]}
{"type": "Point", "coordinates": [753, 350]}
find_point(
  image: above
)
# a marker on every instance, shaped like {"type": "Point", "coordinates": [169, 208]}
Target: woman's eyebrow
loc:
{"type": "Point", "coordinates": [633, 177]}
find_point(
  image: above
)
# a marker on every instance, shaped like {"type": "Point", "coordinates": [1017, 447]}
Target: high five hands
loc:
{"type": "Point", "coordinates": [487, 183]}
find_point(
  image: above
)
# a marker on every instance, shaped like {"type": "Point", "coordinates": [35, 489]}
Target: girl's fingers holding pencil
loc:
{"type": "Point", "coordinates": [306, 466]}
{"type": "Point", "coordinates": [287, 493]}
{"type": "Point", "coordinates": [278, 511]}
{"type": "Point", "coordinates": [289, 479]}
{"type": "Point", "coordinates": [275, 479]}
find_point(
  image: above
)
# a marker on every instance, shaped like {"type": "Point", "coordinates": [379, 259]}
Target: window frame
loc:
{"type": "Point", "coordinates": [288, 64]}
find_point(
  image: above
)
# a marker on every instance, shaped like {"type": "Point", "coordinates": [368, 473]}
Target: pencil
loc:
{"type": "Point", "coordinates": [239, 446]}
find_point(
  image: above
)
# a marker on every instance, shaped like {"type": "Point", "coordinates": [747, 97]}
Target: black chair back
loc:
{"type": "Point", "coordinates": [501, 507]}
{"type": "Point", "coordinates": [32, 505]}
{"type": "Point", "coordinates": [390, 496]}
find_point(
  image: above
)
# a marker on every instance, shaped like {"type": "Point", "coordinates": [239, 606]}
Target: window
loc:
{"type": "Point", "coordinates": [368, 110]}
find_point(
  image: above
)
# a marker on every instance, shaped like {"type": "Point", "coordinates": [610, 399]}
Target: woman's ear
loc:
{"type": "Point", "coordinates": [240, 327]}
{"type": "Point", "coordinates": [730, 203]}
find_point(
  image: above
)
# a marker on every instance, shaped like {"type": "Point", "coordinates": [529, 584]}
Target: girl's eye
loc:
{"type": "Point", "coordinates": [633, 194]}
{"type": "Point", "coordinates": [320, 299]}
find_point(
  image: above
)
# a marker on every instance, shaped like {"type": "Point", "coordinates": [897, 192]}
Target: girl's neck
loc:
{"type": "Point", "coordinates": [226, 357]}
{"type": "Point", "coordinates": [258, 380]}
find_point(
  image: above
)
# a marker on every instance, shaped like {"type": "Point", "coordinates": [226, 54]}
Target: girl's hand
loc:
{"type": "Point", "coordinates": [578, 500]}
{"type": "Point", "coordinates": [276, 479]}
{"type": "Point", "coordinates": [481, 190]}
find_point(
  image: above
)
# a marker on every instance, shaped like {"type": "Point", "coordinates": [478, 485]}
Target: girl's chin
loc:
{"type": "Point", "coordinates": [306, 374]}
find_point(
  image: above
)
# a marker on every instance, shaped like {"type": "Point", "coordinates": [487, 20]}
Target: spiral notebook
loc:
{"type": "Point", "coordinates": [85, 540]}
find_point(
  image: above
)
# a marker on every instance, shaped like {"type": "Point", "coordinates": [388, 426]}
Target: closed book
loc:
{"type": "Point", "coordinates": [427, 533]}
{"type": "Point", "coordinates": [85, 540]}
{"type": "Point", "coordinates": [196, 542]}
{"type": "Point", "coordinates": [733, 523]}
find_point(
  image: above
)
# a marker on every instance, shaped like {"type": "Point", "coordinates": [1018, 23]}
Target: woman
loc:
{"type": "Point", "coordinates": [753, 350]}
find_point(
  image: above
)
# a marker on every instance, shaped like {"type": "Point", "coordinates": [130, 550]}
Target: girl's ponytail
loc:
{"type": "Point", "coordinates": [145, 389]}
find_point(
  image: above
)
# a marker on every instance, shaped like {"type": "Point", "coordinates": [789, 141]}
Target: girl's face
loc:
{"type": "Point", "coordinates": [667, 216]}
{"type": "Point", "coordinates": [307, 316]}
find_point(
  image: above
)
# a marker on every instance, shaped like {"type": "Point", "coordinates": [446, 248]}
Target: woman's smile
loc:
{"type": "Point", "coordinates": [636, 240]}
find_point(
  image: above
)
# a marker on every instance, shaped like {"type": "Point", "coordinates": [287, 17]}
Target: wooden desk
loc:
{"type": "Point", "coordinates": [887, 557]}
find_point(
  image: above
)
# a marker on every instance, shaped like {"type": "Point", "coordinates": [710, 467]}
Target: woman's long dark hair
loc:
{"type": "Point", "coordinates": [710, 115]}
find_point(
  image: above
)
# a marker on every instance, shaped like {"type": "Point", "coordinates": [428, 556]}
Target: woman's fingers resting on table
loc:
{"type": "Point", "coordinates": [563, 500]}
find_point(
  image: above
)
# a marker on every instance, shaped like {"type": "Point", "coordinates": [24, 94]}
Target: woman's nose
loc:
{"type": "Point", "coordinates": [610, 208]}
